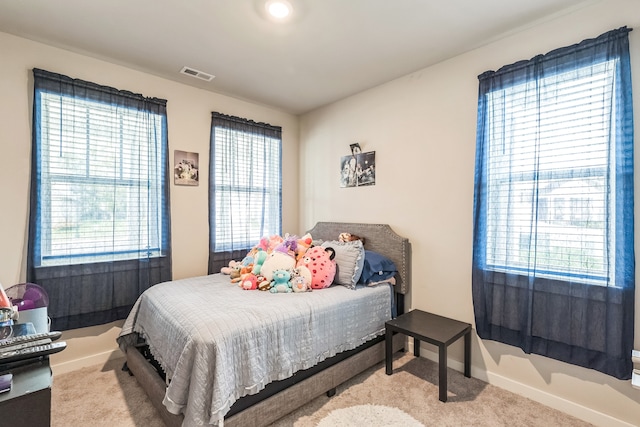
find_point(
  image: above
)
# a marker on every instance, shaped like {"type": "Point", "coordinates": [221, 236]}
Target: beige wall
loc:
{"type": "Point", "coordinates": [422, 128]}
{"type": "Point", "coordinates": [189, 123]}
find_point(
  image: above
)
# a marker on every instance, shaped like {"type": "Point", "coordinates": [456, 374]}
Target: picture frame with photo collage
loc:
{"type": "Point", "coordinates": [358, 169]}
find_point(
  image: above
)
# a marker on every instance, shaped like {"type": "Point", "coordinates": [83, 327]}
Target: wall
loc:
{"type": "Point", "coordinates": [422, 128]}
{"type": "Point", "coordinates": [189, 123]}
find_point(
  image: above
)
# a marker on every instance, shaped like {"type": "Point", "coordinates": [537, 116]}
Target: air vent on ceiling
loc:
{"type": "Point", "coordinates": [197, 74]}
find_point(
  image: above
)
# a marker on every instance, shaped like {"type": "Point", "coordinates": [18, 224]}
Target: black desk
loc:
{"type": "Point", "coordinates": [436, 330]}
{"type": "Point", "coordinates": [28, 403]}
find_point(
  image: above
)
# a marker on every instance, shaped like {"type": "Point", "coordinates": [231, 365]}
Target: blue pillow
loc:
{"type": "Point", "coordinates": [376, 268]}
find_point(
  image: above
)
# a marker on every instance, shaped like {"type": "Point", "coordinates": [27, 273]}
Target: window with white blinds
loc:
{"type": "Point", "coordinates": [247, 187]}
{"type": "Point", "coordinates": [549, 193]}
{"type": "Point", "coordinates": [101, 181]}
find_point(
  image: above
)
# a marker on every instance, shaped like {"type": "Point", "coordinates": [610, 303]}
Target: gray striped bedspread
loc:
{"type": "Point", "coordinates": [217, 342]}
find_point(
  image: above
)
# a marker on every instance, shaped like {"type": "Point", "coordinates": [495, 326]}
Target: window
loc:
{"type": "Point", "coordinates": [101, 181]}
{"type": "Point", "coordinates": [245, 183]}
{"type": "Point", "coordinates": [99, 225]}
{"type": "Point", "coordinates": [548, 165]}
{"type": "Point", "coordinates": [553, 243]}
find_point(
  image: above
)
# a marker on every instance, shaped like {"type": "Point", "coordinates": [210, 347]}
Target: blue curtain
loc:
{"type": "Point", "coordinates": [553, 240]}
{"type": "Point", "coordinates": [245, 187]}
{"type": "Point", "coordinates": [99, 225]}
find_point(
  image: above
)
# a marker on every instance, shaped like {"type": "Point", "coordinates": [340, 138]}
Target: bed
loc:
{"type": "Point", "coordinates": [185, 370]}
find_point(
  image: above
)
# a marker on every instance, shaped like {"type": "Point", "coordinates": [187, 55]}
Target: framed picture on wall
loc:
{"type": "Point", "coordinates": [358, 170]}
{"type": "Point", "coordinates": [366, 168]}
{"type": "Point", "coordinates": [185, 169]}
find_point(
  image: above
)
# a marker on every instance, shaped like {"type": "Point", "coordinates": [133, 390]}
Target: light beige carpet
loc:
{"type": "Point", "coordinates": [105, 396]}
{"type": "Point", "coordinates": [370, 416]}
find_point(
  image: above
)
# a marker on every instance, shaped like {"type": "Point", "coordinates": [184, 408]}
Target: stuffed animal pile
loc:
{"type": "Point", "coordinates": [288, 264]}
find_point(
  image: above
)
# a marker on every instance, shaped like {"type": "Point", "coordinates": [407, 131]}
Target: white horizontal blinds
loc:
{"type": "Point", "coordinates": [247, 187]}
{"type": "Point", "coordinates": [100, 179]}
{"type": "Point", "coordinates": [549, 161]}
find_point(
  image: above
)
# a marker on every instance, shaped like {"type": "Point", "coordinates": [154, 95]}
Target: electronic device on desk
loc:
{"type": "Point", "coordinates": [6, 381]}
{"type": "Point", "coordinates": [8, 332]}
{"type": "Point", "coordinates": [20, 344]}
{"type": "Point", "coordinates": [30, 353]}
{"type": "Point", "coordinates": [8, 312]}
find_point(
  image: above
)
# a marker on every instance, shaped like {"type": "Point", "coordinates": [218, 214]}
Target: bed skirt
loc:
{"type": "Point", "coordinates": [274, 407]}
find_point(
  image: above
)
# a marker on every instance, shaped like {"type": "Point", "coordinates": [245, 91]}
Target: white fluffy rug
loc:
{"type": "Point", "coordinates": [369, 415]}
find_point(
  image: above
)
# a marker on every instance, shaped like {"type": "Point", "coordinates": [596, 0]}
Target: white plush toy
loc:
{"type": "Point", "coordinates": [276, 261]}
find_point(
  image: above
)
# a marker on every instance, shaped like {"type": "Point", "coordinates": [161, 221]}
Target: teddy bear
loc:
{"type": "Point", "coordinates": [348, 237]}
{"type": "Point", "coordinates": [244, 270]}
{"type": "Point", "coordinates": [299, 284]}
{"type": "Point", "coordinates": [249, 282]}
{"type": "Point", "coordinates": [280, 282]}
{"type": "Point", "coordinates": [235, 272]}
{"type": "Point", "coordinates": [319, 261]}
{"type": "Point", "coordinates": [262, 283]}
{"type": "Point", "coordinates": [300, 279]}
{"type": "Point", "coordinates": [228, 269]}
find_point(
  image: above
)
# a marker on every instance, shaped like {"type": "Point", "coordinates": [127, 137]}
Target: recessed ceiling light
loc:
{"type": "Point", "coordinates": [278, 9]}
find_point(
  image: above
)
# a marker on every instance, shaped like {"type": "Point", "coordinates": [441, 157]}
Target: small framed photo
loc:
{"type": "Point", "coordinates": [185, 169]}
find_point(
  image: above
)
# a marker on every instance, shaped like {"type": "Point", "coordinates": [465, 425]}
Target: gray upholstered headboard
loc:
{"type": "Point", "coordinates": [378, 238]}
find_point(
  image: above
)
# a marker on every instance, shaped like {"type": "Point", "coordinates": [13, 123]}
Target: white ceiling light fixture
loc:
{"type": "Point", "coordinates": [279, 9]}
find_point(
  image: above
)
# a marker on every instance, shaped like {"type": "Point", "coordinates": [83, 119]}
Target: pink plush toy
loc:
{"type": "Point", "coordinates": [304, 243]}
{"type": "Point", "coordinates": [249, 282]}
{"type": "Point", "coordinates": [320, 263]}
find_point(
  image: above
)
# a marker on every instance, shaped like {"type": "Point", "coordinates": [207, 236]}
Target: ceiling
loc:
{"type": "Point", "coordinates": [327, 50]}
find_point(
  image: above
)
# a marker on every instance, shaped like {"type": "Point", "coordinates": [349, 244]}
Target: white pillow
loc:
{"type": "Point", "coordinates": [349, 260]}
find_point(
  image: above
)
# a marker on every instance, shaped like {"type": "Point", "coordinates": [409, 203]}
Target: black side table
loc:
{"type": "Point", "coordinates": [28, 404]}
{"type": "Point", "coordinates": [436, 330]}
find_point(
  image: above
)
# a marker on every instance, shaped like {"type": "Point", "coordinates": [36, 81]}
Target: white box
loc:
{"type": "Point", "coordinates": [38, 316]}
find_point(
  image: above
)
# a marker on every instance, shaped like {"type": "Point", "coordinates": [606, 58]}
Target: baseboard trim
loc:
{"type": "Point", "coordinates": [94, 359]}
{"type": "Point", "coordinates": [568, 407]}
